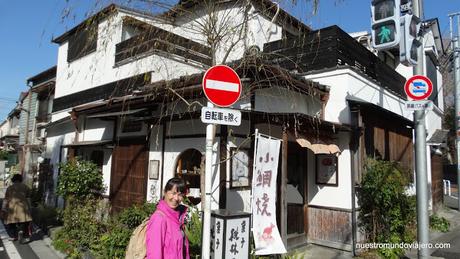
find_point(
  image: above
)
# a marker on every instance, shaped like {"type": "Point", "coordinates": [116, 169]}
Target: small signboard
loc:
{"type": "Point", "coordinates": [221, 116]}
{"type": "Point", "coordinates": [230, 234]}
{"type": "Point", "coordinates": [418, 87]}
{"type": "Point", "coordinates": [419, 105]}
{"type": "Point", "coordinates": [222, 85]}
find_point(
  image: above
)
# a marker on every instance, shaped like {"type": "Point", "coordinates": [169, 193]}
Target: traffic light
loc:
{"type": "Point", "coordinates": [385, 23]}
{"type": "Point", "coordinates": [410, 27]}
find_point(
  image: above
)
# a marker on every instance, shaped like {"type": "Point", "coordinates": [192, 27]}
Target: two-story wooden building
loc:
{"type": "Point", "coordinates": [128, 96]}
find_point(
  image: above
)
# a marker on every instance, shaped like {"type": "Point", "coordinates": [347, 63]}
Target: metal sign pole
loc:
{"type": "Point", "coordinates": [206, 242]}
{"type": "Point", "coordinates": [420, 156]}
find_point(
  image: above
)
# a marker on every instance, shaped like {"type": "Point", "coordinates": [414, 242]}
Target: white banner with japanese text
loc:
{"type": "Point", "coordinates": [267, 238]}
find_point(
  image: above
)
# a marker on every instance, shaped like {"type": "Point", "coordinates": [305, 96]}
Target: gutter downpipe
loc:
{"type": "Point", "coordinates": [354, 146]}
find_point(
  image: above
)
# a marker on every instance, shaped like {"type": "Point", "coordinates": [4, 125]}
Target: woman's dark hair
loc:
{"type": "Point", "coordinates": [17, 178]}
{"type": "Point", "coordinates": [178, 182]}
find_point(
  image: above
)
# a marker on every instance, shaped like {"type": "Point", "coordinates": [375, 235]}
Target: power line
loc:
{"type": "Point", "coordinates": [7, 99]}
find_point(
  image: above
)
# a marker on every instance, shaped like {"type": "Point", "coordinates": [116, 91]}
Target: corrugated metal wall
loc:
{"type": "Point", "coordinates": [29, 106]}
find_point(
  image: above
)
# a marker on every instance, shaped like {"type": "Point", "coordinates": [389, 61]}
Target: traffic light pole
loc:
{"type": "Point", "coordinates": [420, 157]}
{"type": "Point", "coordinates": [456, 52]}
{"type": "Point", "coordinates": [457, 110]}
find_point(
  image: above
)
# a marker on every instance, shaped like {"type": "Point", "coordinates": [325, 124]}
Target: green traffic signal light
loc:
{"type": "Point", "coordinates": [385, 23]}
{"type": "Point", "coordinates": [385, 33]}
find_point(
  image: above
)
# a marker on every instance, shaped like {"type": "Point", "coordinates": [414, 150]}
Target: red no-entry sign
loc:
{"type": "Point", "coordinates": [418, 87]}
{"type": "Point", "coordinates": [222, 85]}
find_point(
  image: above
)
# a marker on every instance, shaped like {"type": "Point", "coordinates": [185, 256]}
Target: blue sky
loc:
{"type": "Point", "coordinates": [27, 28]}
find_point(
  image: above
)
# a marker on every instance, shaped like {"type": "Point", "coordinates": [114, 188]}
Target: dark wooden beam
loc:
{"type": "Point", "coordinates": [283, 187]}
{"type": "Point", "coordinates": [223, 167]}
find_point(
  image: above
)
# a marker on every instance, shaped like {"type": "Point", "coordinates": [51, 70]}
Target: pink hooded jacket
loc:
{"type": "Point", "coordinates": [165, 236]}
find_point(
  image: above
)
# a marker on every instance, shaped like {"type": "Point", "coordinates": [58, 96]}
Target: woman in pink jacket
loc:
{"type": "Point", "coordinates": [165, 236]}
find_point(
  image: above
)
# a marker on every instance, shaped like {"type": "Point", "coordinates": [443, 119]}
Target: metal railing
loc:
{"type": "Point", "coordinates": [447, 187]}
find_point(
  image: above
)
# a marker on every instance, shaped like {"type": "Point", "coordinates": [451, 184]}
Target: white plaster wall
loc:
{"type": "Point", "coordinates": [440, 91]}
{"type": "Point", "coordinates": [282, 100]}
{"type": "Point", "coordinates": [429, 41]}
{"type": "Point", "coordinates": [347, 83]}
{"type": "Point", "coordinates": [96, 129]}
{"type": "Point", "coordinates": [57, 136]}
{"type": "Point", "coordinates": [55, 116]}
{"type": "Point", "coordinates": [99, 68]}
{"type": "Point", "coordinates": [173, 148]}
{"type": "Point", "coordinates": [405, 71]}
{"type": "Point", "coordinates": [238, 199]}
{"type": "Point", "coordinates": [331, 196]}
{"type": "Point", "coordinates": [107, 170]}
{"type": "Point", "coordinates": [259, 31]}
{"type": "Point", "coordinates": [154, 188]}
{"type": "Point", "coordinates": [428, 166]}
{"type": "Point", "coordinates": [433, 121]}
{"type": "Point", "coordinates": [4, 128]}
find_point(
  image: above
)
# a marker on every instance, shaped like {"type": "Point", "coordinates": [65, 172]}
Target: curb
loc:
{"type": "Point", "coordinates": [48, 241]}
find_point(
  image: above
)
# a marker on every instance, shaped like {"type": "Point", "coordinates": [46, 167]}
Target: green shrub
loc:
{"type": "Point", "coordinates": [113, 243]}
{"type": "Point", "coordinates": [62, 243]}
{"type": "Point", "coordinates": [81, 229]}
{"type": "Point", "coordinates": [439, 223]}
{"type": "Point", "coordinates": [3, 155]}
{"type": "Point", "coordinates": [193, 232]}
{"type": "Point", "coordinates": [133, 216]}
{"type": "Point", "coordinates": [79, 179]}
{"type": "Point", "coordinates": [387, 214]}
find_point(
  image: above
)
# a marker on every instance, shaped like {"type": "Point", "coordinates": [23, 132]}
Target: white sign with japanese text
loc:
{"type": "Point", "coordinates": [217, 237]}
{"type": "Point", "coordinates": [419, 105]}
{"type": "Point", "coordinates": [267, 238]}
{"type": "Point", "coordinates": [221, 116]}
{"type": "Point", "coordinates": [237, 236]}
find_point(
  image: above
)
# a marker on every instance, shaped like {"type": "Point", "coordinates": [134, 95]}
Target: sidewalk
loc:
{"type": "Point", "coordinates": [452, 237]}
{"type": "Point", "coordinates": [38, 247]}
{"type": "Point", "coordinates": [317, 251]}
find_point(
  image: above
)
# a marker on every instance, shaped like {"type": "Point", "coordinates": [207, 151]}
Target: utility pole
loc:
{"type": "Point", "coordinates": [455, 51]}
{"type": "Point", "coordinates": [420, 155]}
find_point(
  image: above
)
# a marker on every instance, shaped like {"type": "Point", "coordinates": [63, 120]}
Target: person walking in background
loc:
{"type": "Point", "coordinates": [165, 235]}
{"type": "Point", "coordinates": [16, 207]}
